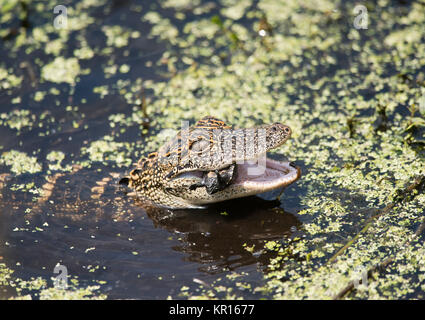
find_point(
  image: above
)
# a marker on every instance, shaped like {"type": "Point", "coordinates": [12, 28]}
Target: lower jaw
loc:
{"type": "Point", "coordinates": [271, 175]}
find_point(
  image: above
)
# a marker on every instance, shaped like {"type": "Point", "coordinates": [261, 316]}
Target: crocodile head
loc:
{"type": "Point", "coordinates": [175, 176]}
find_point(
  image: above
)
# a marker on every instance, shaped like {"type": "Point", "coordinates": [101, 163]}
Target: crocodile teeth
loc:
{"type": "Point", "coordinates": [258, 178]}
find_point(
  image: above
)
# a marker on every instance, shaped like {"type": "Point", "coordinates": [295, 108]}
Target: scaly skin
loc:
{"type": "Point", "coordinates": [207, 163]}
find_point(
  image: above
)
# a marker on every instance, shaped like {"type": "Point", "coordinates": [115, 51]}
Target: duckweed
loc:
{"type": "Point", "coordinates": [354, 99]}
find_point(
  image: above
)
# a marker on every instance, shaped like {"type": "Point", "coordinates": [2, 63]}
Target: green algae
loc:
{"type": "Point", "coordinates": [20, 162]}
{"type": "Point", "coordinates": [162, 27]}
{"type": "Point", "coordinates": [389, 161]}
{"type": "Point", "coordinates": [108, 150]}
{"type": "Point", "coordinates": [5, 274]}
{"type": "Point", "coordinates": [61, 70]}
{"type": "Point", "coordinates": [18, 119]}
{"type": "Point", "coordinates": [55, 159]}
{"type": "Point", "coordinates": [315, 72]}
{"type": "Point", "coordinates": [9, 80]}
{"type": "Point", "coordinates": [44, 289]}
{"type": "Point", "coordinates": [117, 36]}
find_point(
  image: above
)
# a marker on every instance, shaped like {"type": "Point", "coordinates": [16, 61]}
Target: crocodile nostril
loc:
{"type": "Point", "coordinates": [274, 128]}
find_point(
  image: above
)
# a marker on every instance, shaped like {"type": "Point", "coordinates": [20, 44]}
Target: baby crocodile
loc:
{"type": "Point", "coordinates": [212, 162]}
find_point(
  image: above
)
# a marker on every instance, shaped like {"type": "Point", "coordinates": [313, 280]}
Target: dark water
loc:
{"type": "Point", "coordinates": [137, 253]}
{"type": "Point", "coordinates": [98, 239]}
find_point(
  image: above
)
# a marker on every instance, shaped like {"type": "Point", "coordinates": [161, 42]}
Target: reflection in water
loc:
{"type": "Point", "coordinates": [138, 251]}
{"type": "Point", "coordinates": [107, 238]}
{"type": "Point", "coordinates": [217, 236]}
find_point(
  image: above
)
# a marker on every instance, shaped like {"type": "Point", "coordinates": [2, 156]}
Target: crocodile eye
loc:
{"type": "Point", "coordinates": [199, 146]}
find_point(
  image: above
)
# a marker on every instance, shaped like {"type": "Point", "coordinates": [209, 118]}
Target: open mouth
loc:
{"type": "Point", "coordinates": [266, 177]}
{"type": "Point", "coordinates": [250, 178]}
